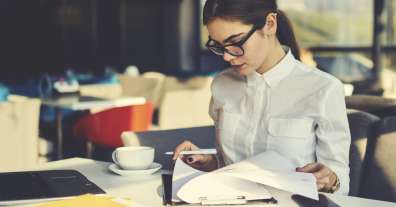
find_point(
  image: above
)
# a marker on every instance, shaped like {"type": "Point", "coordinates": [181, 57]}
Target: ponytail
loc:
{"type": "Point", "coordinates": [286, 35]}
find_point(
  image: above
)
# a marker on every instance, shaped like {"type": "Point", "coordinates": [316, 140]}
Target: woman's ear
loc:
{"type": "Point", "coordinates": [271, 24]}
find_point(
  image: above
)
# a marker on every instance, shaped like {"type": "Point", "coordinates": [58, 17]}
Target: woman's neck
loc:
{"type": "Point", "coordinates": [274, 58]}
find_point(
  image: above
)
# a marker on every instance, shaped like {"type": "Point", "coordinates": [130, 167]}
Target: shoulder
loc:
{"type": "Point", "coordinates": [227, 76]}
{"type": "Point", "coordinates": [227, 80]}
{"type": "Point", "coordinates": [314, 77]}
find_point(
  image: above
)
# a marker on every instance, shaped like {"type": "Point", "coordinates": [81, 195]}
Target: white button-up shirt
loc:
{"type": "Point", "coordinates": [293, 109]}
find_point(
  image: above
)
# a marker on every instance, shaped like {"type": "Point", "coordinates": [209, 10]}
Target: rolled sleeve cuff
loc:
{"type": "Point", "coordinates": [343, 176]}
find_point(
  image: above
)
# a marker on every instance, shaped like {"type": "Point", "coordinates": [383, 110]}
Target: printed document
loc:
{"type": "Point", "coordinates": [247, 179]}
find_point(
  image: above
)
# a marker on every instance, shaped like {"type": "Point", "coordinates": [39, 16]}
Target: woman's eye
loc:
{"type": "Point", "coordinates": [234, 41]}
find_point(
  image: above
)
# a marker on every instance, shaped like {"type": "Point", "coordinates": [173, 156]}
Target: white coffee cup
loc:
{"type": "Point", "coordinates": [133, 158]}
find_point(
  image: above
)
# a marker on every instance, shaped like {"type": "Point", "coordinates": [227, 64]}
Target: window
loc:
{"type": "Point", "coordinates": [331, 22]}
{"type": "Point", "coordinates": [326, 22]}
{"type": "Point", "coordinates": [335, 24]}
{"type": "Point", "coordinates": [339, 35]}
{"type": "Point", "coordinates": [389, 19]}
{"type": "Point", "coordinates": [389, 42]}
{"type": "Point", "coordinates": [204, 31]}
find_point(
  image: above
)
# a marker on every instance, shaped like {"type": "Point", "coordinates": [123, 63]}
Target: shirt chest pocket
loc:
{"type": "Point", "coordinates": [292, 137]}
{"type": "Point", "coordinates": [291, 127]}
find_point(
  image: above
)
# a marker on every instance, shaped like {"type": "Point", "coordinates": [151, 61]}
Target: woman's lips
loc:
{"type": "Point", "coordinates": [238, 67]}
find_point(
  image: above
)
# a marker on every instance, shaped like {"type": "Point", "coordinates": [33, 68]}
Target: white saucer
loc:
{"type": "Point", "coordinates": [154, 167]}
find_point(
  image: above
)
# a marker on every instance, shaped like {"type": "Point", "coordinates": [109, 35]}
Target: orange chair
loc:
{"type": "Point", "coordinates": [105, 127]}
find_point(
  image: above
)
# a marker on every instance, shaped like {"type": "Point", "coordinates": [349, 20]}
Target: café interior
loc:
{"type": "Point", "coordinates": [80, 79]}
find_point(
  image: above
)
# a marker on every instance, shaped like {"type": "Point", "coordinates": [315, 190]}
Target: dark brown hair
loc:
{"type": "Point", "coordinates": [253, 12]}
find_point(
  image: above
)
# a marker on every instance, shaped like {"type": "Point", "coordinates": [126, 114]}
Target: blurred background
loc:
{"type": "Point", "coordinates": [353, 41]}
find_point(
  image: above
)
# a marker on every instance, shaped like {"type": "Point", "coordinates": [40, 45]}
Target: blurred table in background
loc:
{"type": "Point", "coordinates": [80, 103]}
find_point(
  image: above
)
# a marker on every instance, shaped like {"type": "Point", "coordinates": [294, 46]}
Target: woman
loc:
{"type": "Point", "coordinates": [268, 100]}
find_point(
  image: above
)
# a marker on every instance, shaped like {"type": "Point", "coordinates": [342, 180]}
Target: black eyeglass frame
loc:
{"type": "Point", "coordinates": [220, 50]}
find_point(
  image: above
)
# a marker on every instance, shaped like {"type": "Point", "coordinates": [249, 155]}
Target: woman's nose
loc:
{"type": "Point", "coordinates": [227, 57]}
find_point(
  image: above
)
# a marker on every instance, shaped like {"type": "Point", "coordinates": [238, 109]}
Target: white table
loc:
{"type": "Point", "coordinates": [146, 191]}
{"type": "Point", "coordinates": [79, 103]}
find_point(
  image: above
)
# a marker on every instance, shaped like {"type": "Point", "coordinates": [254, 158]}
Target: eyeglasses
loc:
{"type": "Point", "coordinates": [234, 49]}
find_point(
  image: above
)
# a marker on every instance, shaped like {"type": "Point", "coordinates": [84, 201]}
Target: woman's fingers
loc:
{"type": "Point", "coordinates": [309, 168]}
{"type": "Point", "coordinates": [199, 162]}
{"type": "Point", "coordinates": [184, 146]}
{"type": "Point", "coordinates": [196, 159]}
{"type": "Point", "coordinates": [323, 181]}
{"type": "Point", "coordinates": [320, 186]}
{"type": "Point", "coordinates": [317, 169]}
{"type": "Point", "coordinates": [321, 173]}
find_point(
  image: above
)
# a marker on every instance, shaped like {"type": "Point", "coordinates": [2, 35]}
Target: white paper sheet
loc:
{"type": "Point", "coordinates": [217, 186]}
{"type": "Point", "coordinates": [182, 173]}
{"type": "Point", "coordinates": [270, 168]}
{"type": "Point", "coordinates": [298, 183]}
{"type": "Point", "coordinates": [246, 178]}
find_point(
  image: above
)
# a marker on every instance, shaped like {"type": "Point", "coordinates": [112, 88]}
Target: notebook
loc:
{"type": "Point", "coordinates": [90, 200]}
{"type": "Point", "coordinates": [31, 186]}
{"type": "Point", "coordinates": [241, 182]}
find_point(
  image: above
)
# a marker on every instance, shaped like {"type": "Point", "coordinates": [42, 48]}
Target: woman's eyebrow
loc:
{"type": "Point", "coordinates": [231, 37]}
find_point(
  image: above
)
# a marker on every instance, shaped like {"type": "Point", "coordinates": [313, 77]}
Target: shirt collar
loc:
{"type": "Point", "coordinates": [278, 72]}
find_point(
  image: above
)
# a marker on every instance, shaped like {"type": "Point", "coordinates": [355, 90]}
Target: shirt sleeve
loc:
{"type": "Point", "coordinates": [213, 111]}
{"type": "Point", "coordinates": [214, 114]}
{"type": "Point", "coordinates": [333, 135]}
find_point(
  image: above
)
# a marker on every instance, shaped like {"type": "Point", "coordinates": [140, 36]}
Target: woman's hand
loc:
{"type": "Point", "coordinates": [325, 177]}
{"type": "Point", "coordinates": [198, 161]}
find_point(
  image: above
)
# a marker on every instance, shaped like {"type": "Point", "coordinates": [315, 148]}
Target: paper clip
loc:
{"type": "Point", "coordinates": [233, 200]}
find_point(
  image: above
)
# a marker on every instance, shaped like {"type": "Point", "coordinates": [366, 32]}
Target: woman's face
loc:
{"type": "Point", "coordinates": [256, 48]}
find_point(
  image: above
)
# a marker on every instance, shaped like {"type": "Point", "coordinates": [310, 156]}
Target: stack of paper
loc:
{"type": "Point", "coordinates": [89, 200]}
{"type": "Point", "coordinates": [246, 179]}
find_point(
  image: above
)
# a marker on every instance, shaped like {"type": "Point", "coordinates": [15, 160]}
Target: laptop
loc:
{"type": "Point", "coordinates": [35, 186]}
